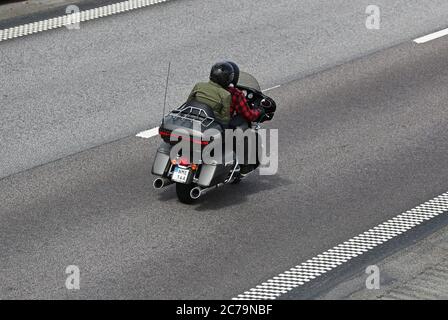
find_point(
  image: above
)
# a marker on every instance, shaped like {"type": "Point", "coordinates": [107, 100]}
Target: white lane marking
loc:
{"type": "Point", "coordinates": [432, 36]}
{"type": "Point", "coordinates": [272, 88]}
{"type": "Point", "coordinates": [148, 133]}
{"type": "Point", "coordinates": [331, 259]}
{"type": "Point", "coordinates": [69, 19]}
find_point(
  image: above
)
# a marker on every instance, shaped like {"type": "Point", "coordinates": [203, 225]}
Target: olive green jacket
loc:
{"type": "Point", "coordinates": [215, 96]}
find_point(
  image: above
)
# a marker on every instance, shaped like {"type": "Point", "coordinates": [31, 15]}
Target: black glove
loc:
{"type": "Point", "coordinates": [262, 115]}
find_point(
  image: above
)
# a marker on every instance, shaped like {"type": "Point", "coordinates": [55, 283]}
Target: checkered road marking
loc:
{"type": "Point", "coordinates": [331, 259]}
{"type": "Point", "coordinates": [74, 18]}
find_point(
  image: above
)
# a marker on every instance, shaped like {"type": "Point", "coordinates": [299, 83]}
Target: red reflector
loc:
{"type": "Point", "coordinates": [201, 142]}
{"type": "Point", "coordinates": [164, 133]}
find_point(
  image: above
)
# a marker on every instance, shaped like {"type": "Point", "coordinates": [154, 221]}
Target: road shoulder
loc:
{"type": "Point", "coordinates": [415, 273]}
{"type": "Point", "coordinates": [17, 13]}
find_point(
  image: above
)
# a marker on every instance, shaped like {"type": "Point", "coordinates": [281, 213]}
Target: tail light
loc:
{"type": "Point", "coordinates": [184, 162]}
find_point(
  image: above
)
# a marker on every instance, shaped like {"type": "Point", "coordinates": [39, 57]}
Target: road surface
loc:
{"type": "Point", "coordinates": [359, 143]}
{"type": "Point", "coordinates": [64, 91]}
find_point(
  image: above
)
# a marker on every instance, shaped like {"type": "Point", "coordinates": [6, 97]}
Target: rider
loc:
{"type": "Point", "coordinates": [214, 93]}
{"type": "Point", "coordinates": [240, 106]}
{"type": "Point", "coordinates": [239, 103]}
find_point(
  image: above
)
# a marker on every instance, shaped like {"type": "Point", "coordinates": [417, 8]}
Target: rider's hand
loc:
{"type": "Point", "coordinates": [262, 114]}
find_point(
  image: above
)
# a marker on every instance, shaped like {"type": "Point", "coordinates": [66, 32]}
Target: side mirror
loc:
{"type": "Point", "coordinates": [266, 104]}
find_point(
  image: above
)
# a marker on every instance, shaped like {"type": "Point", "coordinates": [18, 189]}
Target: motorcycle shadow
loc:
{"type": "Point", "coordinates": [231, 194]}
{"type": "Point", "coordinates": [236, 194]}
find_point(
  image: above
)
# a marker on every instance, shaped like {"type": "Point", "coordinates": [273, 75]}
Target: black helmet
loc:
{"type": "Point", "coordinates": [222, 73]}
{"type": "Point", "coordinates": [236, 70]}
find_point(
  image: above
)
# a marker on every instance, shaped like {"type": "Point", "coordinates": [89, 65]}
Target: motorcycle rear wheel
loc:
{"type": "Point", "coordinates": [183, 193]}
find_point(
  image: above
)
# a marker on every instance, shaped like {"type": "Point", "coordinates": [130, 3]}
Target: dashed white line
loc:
{"type": "Point", "coordinates": [432, 36]}
{"type": "Point", "coordinates": [69, 19]}
{"type": "Point", "coordinates": [333, 258]}
{"type": "Point", "coordinates": [148, 133]}
{"type": "Point", "coordinates": [272, 88]}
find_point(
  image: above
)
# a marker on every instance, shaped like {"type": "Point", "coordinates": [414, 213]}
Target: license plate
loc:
{"type": "Point", "coordinates": [180, 175]}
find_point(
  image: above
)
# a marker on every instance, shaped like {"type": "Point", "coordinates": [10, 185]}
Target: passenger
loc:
{"type": "Point", "coordinates": [214, 93]}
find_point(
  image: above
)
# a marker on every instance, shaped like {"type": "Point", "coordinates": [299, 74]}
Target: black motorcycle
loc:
{"type": "Point", "coordinates": [194, 178]}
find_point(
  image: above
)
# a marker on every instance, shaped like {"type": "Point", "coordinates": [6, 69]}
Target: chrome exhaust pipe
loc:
{"type": "Point", "coordinates": [196, 192]}
{"type": "Point", "coordinates": [160, 183]}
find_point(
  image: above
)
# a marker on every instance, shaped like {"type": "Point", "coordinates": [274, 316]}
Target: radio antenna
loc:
{"type": "Point", "coordinates": [166, 91]}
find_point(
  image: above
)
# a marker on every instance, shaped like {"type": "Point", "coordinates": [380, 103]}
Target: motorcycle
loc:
{"type": "Point", "coordinates": [192, 176]}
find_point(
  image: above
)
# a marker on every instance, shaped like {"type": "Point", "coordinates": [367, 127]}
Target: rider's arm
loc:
{"type": "Point", "coordinates": [241, 107]}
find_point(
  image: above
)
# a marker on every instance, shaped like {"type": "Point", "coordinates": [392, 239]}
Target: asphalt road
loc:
{"type": "Point", "coordinates": [65, 91]}
{"type": "Point", "coordinates": [358, 144]}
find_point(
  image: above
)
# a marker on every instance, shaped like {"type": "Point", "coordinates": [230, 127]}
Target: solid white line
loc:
{"type": "Point", "coordinates": [74, 18]}
{"type": "Point", "coordinates": [271, 88]}
{"type": "Point", "coordinates": [343, 253]}
{"type": "Point", "coordinates": [148, 133]}
{"type": "Point", "coordinates": [432, 36]}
